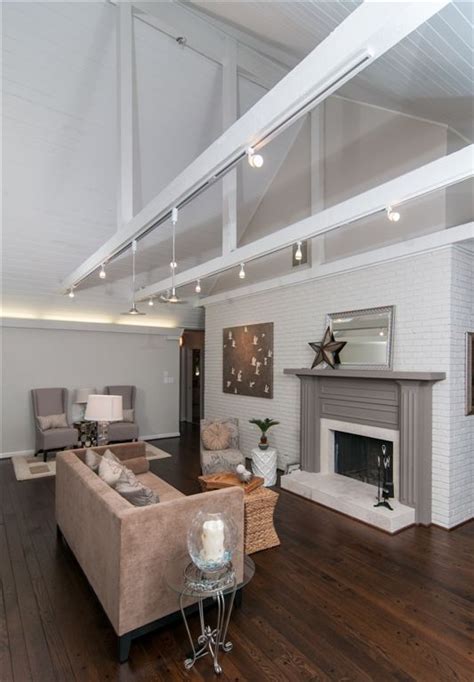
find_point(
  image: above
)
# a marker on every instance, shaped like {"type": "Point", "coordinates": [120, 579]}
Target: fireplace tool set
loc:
{"type": "Point", "coordinates": [384, 485]}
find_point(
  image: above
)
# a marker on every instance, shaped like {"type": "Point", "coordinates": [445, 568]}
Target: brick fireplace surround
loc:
{"type": "Point", "coordinates": [400, 401]}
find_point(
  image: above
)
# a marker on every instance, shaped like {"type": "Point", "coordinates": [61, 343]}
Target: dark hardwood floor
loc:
{"type": "Point", "coordinates": [337, 600]}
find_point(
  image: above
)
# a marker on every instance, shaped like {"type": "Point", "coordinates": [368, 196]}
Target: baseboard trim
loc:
{"type": "Point", "coordinates": [158, 436]}
{"type": "Point", "coordinates": [455, 527]}
{"type": "Point", "coordinates": [9, 455]}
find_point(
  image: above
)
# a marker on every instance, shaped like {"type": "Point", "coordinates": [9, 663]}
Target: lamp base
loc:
{"type": "Point", "coordinates": [102, 433]}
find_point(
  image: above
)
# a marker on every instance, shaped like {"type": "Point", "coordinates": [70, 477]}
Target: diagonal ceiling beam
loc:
{"type": "Point", "coordinates": [443, 172]}
{"type": "Point", "coordinates": [365, 35]}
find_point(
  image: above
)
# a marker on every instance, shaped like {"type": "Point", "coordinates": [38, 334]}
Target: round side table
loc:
{"type": "Point", "coordinates": [264, 464]}
{"type": "Point", "coordinates": [189, 582]}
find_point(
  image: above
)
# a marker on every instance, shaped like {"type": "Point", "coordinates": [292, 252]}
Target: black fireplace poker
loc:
{"type": "Point", "coordinates": [384, 487]}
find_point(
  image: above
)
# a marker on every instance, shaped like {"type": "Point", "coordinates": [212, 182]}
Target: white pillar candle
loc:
{"type": "Point", "coordinates": [213, 540]}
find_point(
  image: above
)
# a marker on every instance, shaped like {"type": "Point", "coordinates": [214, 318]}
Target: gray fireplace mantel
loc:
{"type": "Point", "coordinates": [368, 374]}
{"type": "Point", "coordinates": [395, 400]}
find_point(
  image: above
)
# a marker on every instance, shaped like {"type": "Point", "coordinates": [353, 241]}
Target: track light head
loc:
{"type": "Point", "coordinates": [198, 286]}
{"type": "Point", "coordinates": [151, 303]}
{"type": "Point", "coordinates": [102, 273]}
{"type": "Point", "coordinates": [255, 160]}
{"type": "Point", "coordinates": [71, 293]}
{"type": "Point", "coordinates": [298, 252]}
{"type": "Point", "coordinates": [392, 215]}
{"type": "Point", "coordinates": [242, 271]}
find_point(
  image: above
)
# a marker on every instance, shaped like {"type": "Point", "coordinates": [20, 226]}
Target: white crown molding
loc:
{"type": "Point", "coordinates": [394, 252]}
{"type": "Point", "coordinates": [28, 323]}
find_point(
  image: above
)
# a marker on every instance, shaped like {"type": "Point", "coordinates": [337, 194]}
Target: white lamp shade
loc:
{"type": "Point", "coordinates": [104, 408]}
{"type": "Point", "coordinates": [82, 394]}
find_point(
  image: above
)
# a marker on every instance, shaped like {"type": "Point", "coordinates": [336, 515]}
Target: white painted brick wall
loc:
{"type": "Point", "coordinates": [461, 448]}
{"type": "Point", "coordinates": [425, 308]}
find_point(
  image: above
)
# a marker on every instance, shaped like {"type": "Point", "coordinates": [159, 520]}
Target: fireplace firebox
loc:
{"type": "Point", "coordinates": [358, 457]}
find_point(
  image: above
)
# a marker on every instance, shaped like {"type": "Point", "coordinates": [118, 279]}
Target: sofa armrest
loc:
{"type": "Point", "coordinates": [88, 515]}
{"type": "Point", "coordinates": [151, 537]}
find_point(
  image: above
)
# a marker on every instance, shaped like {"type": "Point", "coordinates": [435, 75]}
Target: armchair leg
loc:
{"type": "Point", "coordinates": [45, 456]}
{"type": "Point", "coordinates": [38, 452]}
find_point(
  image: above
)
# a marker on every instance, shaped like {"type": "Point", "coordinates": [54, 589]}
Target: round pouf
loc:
{"type": "Point", "coordinates": [264, 464]}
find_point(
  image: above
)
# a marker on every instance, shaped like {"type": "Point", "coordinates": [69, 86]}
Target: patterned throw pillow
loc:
{"type": "Point", "coordinates": [216, 437]}
{"type": "Point", "coordinates": [109, 471]}
{"type": "Point", "coordinates": [52, 421]}
{"type": "Point", "coordinates": [92, 460]}
{"type": "Point", "coordinates": [128, 415]}
{"type": "Point", "coordinates": [136, 493]}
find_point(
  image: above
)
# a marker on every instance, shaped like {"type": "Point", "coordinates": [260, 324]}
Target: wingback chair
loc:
{"type": "Point", "coordinates": [124, 430]}
{"type": "Point", "coordinates": [46, 402]}
{"type": "Point", "coordinates": [215, 461]}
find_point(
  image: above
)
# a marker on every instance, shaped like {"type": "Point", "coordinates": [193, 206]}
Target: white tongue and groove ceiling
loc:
{"type": "Point", "coordinates": [60, 139]}
{"type": "Point", "coordinates": [429, 74]}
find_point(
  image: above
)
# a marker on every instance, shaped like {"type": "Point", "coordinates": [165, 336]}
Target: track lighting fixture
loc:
{"type": "Point", "coordinates": [198, 286]}
{"type": "Point", "coordinates": [242, 271]}
{"type": "Point", "coordinates": [151, 302]}
{"type": "Point", "coordinates": [255, 160]}
{"type": "Point", "coordinates": [392, 215]}
{"type": "Point", "coordinates": [298, 252]}
{"type": "Point", "coordinates": [71, 293]}
{"type": "Point", "coordinates": [102, 273]}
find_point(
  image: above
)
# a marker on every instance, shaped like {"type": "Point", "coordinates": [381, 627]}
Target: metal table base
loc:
{"type": "Point", "coordinates": [211, 640]}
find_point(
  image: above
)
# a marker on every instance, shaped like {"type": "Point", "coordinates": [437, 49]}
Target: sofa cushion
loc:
{"type": "Point", "coordinates": [128, 415]}
{"type": "Point", "coordinates": [109, 471]}
{"type": "Point", "coordinates": [216, 437]}
{"type": "Point", "coordinates": [52, 421]}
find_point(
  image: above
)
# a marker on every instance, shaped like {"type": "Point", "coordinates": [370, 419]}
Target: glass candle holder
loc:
{"type": "Point", "coordinates": [212, 539]}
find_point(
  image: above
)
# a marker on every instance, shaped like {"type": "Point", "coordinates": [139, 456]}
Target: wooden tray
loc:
{"type": "Point", "coordinates": [226, 480]}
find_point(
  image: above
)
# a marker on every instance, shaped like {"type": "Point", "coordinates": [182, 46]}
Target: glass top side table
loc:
{"type": "Point", "coordinates": [190, 582]}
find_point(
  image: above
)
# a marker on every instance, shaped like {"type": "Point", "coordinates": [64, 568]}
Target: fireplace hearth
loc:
{"type": "Point", "coordinates": [357, 456]}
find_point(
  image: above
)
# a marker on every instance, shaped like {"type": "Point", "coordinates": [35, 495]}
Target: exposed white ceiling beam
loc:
{"type": "Point", "coordinates": [443, 172]}
{"type": "Point", "coordinates": [229, 116]}
{"type": "Point", "coordinates": [125, 111]}
{"type": "Point", "coordinates": [384, 254]}
{"type": "Point", "coordinates": [366, 34]}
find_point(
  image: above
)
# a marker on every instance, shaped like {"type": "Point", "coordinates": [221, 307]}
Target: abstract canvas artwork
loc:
{"type": "Point", "coordinates": [248, 360]}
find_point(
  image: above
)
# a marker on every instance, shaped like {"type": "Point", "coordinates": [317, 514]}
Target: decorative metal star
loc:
{"type": "Point", "coordinates": [327, 350]}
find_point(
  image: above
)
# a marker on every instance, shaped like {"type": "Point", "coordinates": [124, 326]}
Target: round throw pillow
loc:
{"type": "Point", "coordinates": [216, 437]}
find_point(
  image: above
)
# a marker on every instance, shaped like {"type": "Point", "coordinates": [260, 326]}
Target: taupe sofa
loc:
{"type": "Point", "coordinates": [123, 550]}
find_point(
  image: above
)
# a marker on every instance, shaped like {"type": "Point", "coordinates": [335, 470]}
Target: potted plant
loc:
{"type": "Point", "coordinates": [263, 425]}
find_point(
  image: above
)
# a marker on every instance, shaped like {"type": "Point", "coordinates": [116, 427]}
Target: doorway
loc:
{"type": "Point", "coordinates": [191, 402]}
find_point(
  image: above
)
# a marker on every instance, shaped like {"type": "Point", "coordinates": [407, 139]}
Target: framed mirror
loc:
{"type": "Point", "coordinates": [368, 335]}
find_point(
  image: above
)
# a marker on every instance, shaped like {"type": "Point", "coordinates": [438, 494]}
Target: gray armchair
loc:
{"type": "Point", "coordinates": [216, 461]}
{"type": "Point", "coordinates": [46, 402]}
{"type": "Point", "coordinates": [123, 431]}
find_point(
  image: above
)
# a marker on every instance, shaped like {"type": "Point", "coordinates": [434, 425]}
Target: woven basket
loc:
{"type": "Point", "coordinates": [259, 529]}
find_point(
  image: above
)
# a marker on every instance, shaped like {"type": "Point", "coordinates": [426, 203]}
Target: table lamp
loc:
{"type": "Point", "coordinates": [104, 409]}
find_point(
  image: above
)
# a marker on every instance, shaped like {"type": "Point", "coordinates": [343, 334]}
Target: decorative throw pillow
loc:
{"type": "Point", "coordinates": [92, 460]}
{"type": "Point", "coordinates": [108, 454]}
{"type": "Point", "coordinates": [128, 415]}
{"type": "Point", "coordinates": [136, 493]}
{"type": "Point", "coordinates": [52, 421]}
{"type": "Point", "coordinates": [216, 437]}
{"type": "Point", "coordinates": [109, 471]}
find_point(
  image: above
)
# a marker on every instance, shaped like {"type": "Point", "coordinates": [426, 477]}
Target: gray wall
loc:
{"type": "Point", "coordinates": [34, 358]}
